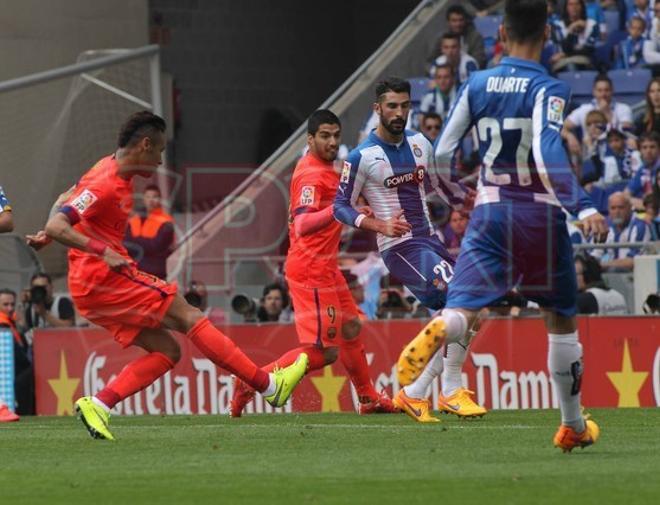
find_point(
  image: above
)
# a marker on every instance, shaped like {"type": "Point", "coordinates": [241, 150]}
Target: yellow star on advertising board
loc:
{"type": "Point", "coordinates": [329, 386]}
{"type": "Point", "coordinates": [64, 388]}
{"type": "Point", "coordinates": [627, 382]}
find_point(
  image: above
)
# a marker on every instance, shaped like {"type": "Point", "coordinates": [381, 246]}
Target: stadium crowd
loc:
{"type": "Point", "coordinates": [612, 133]}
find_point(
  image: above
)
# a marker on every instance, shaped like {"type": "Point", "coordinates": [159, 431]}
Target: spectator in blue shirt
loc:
{"type": "Point", "coordinates": [624, 227]}
{"type": "Point", "coordinates": [630, 52]}
{"type": "Point", "coordinates": [642, 182]}
{"type": "Point", "coordinates": [640, 9]}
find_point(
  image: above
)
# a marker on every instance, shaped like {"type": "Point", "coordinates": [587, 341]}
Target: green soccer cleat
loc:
{"type": "Point", "coordinates": [94, 418]}
{"type": "Point", "coordinates": [286, 380]}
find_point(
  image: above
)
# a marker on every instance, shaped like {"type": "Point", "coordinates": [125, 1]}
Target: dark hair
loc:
{"type": "Point", "coordinates": [615, 133]}
{"type": "Point", "coordinates": [139, 125]}
{"type": "Point", "coordinates": [394, 84]}
{"type": "Point", "coordinates": [319, 117]}
{"type": "Point", "coordinates": [41, 275]}
{"type": "Point", "coordinates": [456, 9]}
{"type": "Point", "coordinates": [637, 18]}
{"type": "Point", "coordinates": [602, 78]}
{"type": "Point", "coordinates": [649, 116]}
{"type": "Point", "coordinates": [444, 66]}
{"type": "Point", "coordinates": [525, 20]}
{"type": "Point", "coordinates": [592, 273]}
{"type": "Point", "coordinates": [431, 115]}
{"type": "Point", "coordinates": [649, 137]}
{"type": "Point", "coordinates": [152, 187]}
{"type": "Point", "coordinates": [273, 286]}
{"type": "Point", "coordinates": [450, 36]}
{"type": "Point", "coordinates": [7, 291]}
{"type": "Point", "coordinates": [564, 12]}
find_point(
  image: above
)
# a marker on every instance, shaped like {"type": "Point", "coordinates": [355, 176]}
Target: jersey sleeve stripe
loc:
{"type": "Point", "coordinates": [537, 121]}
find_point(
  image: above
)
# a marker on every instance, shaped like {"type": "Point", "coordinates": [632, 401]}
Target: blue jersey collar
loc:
{"type": "Point", "coordinates": [377, 140]}
{"type": "Point", "coordinates": [519, 62]}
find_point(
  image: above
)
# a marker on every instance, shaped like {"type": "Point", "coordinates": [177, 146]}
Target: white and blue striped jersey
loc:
{"type": "Point", "coordinates": [393, 178]}
{"type": "Point", "coordinates": [518, 112]}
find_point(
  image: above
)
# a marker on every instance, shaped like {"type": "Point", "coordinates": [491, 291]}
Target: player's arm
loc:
{"type": "Point", "coordinates": [553, 165]}
{"type": "Point", "coordinates": [6, 219]}
{"type": "Point", "coordinates": [40, 240]}
{"type": "Point", "coordinates": [458, 123]}
{"type": "Point", "coordinates": [350, 185]}
{"type": "Point", "coordinates": [85, 203]}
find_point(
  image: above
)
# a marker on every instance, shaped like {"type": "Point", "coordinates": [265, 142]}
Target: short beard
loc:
{"type": "Point", "coordinates": [390, 128]}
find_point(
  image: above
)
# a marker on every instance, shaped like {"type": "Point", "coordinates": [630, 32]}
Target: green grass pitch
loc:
{"type": "Point", "coordinates": [506, 457]}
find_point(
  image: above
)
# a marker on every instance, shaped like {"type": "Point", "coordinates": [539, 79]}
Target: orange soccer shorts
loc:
{"type": "Point", "coordinates": [124, 302]}
{"type": "Point", "coordinates": [320, 311]}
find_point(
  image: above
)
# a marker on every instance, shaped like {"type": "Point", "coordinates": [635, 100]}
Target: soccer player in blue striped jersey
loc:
{"type": "Point", "coordinates": [517, 233]}
{"type": "Point", "coordinates": [394, 170]}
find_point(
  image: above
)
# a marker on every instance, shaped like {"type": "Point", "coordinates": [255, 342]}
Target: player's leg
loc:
{"type": "Point", "coordinates": [352, 353]}
{"type": "Point", "coordinates": [163, 353]}
{"type": "Point", "coordinates": [276, 387]}
{"type": "Point", "coordinates": [315, 317]}
{"type": "Point", "coordinates": [312, 320]}
{"type": "Point", "coordinates": [482, 275]}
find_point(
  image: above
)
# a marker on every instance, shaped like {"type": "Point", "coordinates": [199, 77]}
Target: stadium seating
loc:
{"type": "Point", "coordinates": [630, 85]}
{"type": "Point", "coordinates": [487, 26]}
{"type": "Point", "coordinates": [612, 21]}
{"type": "Point", "coordinates": [418, 88]}
{"type": "Point", "coordinates": [581, 84]}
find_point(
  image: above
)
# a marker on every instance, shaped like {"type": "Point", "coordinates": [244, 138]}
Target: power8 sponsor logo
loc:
{"type": "Point", "coordinates": [415, 177]}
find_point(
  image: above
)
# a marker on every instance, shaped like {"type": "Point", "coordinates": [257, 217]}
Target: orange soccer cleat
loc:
{"type": "Point", "coordinates": [461, 404]}
{"type": "Point", "coordinates": [567, 438]}
{"type": "Point", "coordinates": [243, 394]}
{"type": "Point", "coordinates": [415, 408]}
{"type": "Point", "coordinates": [6, 415]}
{"type": "Point", "coordinates": [381, 405]}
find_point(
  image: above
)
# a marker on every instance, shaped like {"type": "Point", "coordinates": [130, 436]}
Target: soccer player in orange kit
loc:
{"type": "Point", "coordinates": [137, 308]}
{"type": "Point", "coordinates": [327, 318]}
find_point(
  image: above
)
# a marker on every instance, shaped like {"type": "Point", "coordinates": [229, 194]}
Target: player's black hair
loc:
{"type": "Point", "coordinates": [41, 275]}
{"type": "Point", "coordinates": [152, 187]}
{"type": "Point", "coordinates": [395, 84]}
{"type": "Point", "coordinates": [319, 117]}
{"type": "Point", "coordinates": [649, 137]}
{"type": "Point", "coordinates": [456, 9]}
{"type": "Point", "coordinates": [525, 20]}
{"type": "Point", "coordinates": [603, 78]}
{"type": "Point", "coordinates": [139, 125]}
{"type": "Point", "coordinates": [615, 133]}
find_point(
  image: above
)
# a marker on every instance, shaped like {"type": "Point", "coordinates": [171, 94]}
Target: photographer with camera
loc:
{"type": "Point", "coordinates": [273, 307]}
{"type": "Point", "coordinates": [42, 309]}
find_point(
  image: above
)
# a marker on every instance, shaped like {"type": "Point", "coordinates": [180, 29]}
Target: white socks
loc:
{"type": "Point", "coordinates": [452, 377]}
{"type": "Point", "coordinates": [272, 386]}
{"type": "Point", "coordinates": [565, 366]}
{"type": "Point", "coordinates": [434, 368]}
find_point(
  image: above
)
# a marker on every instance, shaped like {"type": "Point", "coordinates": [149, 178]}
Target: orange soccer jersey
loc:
{"type": "Point", "coordinates": [126, 301]}
{"type": "Point", "coordinates": [321, 297]}
{"type": "Point", "coordinates": [312, 259]}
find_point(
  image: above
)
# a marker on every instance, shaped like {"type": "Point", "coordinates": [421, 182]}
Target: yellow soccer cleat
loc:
{"type": "Point", "coordinates": [461, 404]}
{"type": "Point", "coordinates": [94, 418]}
{"type": "Point", "coordinates": [286, 380]}
{"type": "Point", "coordinates": [415, 408]}
{"type": "Point", "coordinates": [416, 355]}
{"type": "Point", "coordinates": [568, 439]}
